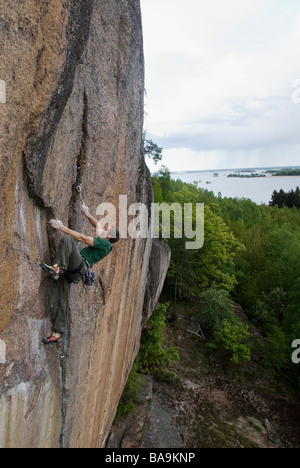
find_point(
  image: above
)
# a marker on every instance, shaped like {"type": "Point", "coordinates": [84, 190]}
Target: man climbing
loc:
{"type": "Point", "coordinates": [70, 266]}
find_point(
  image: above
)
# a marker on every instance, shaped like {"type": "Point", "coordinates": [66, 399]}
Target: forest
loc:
{"type": "Point", "coordinates": [290, 199]}
{"type": "Point", "coordinates": [250, 257]}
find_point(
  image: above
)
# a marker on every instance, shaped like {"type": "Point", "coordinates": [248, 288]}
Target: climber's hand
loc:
{"type": "Point", "coordinates": [85, 210]}
{"type": "Point", "coordinates": [56, 224]}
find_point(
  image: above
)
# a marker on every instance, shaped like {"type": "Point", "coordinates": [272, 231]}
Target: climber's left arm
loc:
{"type": "Point", "coordinates": [57, 224]}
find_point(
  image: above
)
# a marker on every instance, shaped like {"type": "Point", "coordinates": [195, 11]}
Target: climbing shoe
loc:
{"type": "Point", "coordinates": [53, 271]}
{"type": "Point", "coordinates": [52, 340]}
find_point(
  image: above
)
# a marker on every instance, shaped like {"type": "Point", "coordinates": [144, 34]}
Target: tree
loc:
{"type": "Point", "coordinates": [163, 178]}
{"type": "Point", "coordinates": [152, 150]}
{"type": "Point", "coordinates": [215, 261]}
{"type": "Point", "coordinates": [297, 198]}
{"type": "Point", "coordinates": [210, 266]}
{"type": "Point", "coordinates": [158, 196]}
{"type": "Point", "coordinates": [216, 306]}
{"type": "Point", "coordinates": [276, 351]}
{"type": "Point", "coordinates": [153, 357]}
{"type": "Point", "coordinates": [234, 340]}
{"type": "Point", "coordinates": [290, 199]}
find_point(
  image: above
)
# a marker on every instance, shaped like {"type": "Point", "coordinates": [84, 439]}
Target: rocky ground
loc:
{"type": "Point", "coordinates": [208, 408]}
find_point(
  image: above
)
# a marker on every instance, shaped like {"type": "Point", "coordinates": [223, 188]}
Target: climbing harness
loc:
{"type": "Point", "coordinates": [89, 279]}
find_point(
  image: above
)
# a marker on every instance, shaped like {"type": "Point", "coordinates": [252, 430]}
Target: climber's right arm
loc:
{"type": "Point", "coordinates": [57, 224]}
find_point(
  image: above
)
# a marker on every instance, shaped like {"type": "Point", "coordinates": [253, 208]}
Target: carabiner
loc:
{"type": "Point", "coordinates": [78, 188]}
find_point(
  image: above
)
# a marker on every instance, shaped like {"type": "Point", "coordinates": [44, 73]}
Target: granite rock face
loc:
{"type": "Point", "coordinates": [74, 74]}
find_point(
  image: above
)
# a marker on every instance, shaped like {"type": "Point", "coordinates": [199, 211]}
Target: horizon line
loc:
{"type": "Point", "coordinates": [234, 169]}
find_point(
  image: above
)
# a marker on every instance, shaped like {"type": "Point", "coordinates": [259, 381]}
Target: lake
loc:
{"type": "Point", "coordinates": [258, 189]}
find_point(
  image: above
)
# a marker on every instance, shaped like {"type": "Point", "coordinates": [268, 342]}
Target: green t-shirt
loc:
{"type": "Point", "coordinates": [102, 247]}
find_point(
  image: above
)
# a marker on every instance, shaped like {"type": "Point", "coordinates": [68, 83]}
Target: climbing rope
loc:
{"type": "Point", "coordinates": [64, 342]}
{"type": "Point", "coordinates": [78, 211]}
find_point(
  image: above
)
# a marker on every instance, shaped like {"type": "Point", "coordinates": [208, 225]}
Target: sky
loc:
{"type": "Point", "coordinates": [223, 82]}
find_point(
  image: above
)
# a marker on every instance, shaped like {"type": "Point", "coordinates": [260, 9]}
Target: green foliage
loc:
{"type": "Point", "coordinates": [215, 261]}
{"type": "Point", "coordinates": [285, 172]}
{"type": "Point", "coordinates": [289, 199]}
{"type": "Point", "coordinates": [213, 264]}
{"type": "Point", "coordinates": [216, 306]}
{"type": "Point", "coordinates": [153, 357]}
{"type": "Point", "coordinates": [131, 393]}
{"type": "Point", "coordinates": [163, 179]}
{"type": "Point", "coordinates": [251, 251]}
{"type": "Point", "coordinates": [276, 351]}
{"type": "Point", "coordinates": [270, 310]}
{"type": "Point", "coordinates": [158, 197]}
{"type": "Point", "coordinates": [230, 335]}
{"type": "Point", "coordinates": [234, 340]}
{"type": "Point", "coordinates": [152, 150]}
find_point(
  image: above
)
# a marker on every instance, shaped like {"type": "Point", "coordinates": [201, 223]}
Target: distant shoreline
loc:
{"type": "Point", "coordinates": [279, 176]}
{"type": "Point", "coordinates": [245, 169]}
{"type": "Point", "coordinates": [258, 189]}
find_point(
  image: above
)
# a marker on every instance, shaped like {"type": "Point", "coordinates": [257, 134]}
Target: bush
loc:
{"type": "Point", "coordinates": [216, 307]}
{"type": "Point", "coordinates": [152, 357]}
{"type": "Point", "coordinates": [276, 351]}
{"type": "Point", "coordinates": [130, 394]}
{"type": "Point", "coordinates": [234, 340]}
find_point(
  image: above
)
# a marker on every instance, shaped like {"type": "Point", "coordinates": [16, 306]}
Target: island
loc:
{"type": "Point", "coordinates": [247, 176]}
{"type": "Point", "coordinates": [285, 172]}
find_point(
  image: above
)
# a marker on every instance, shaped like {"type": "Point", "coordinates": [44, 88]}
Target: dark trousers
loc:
{"type": "Point", "coordinates": [68, 259]}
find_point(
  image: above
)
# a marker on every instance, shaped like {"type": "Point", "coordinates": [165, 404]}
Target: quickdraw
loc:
{"type": "Point", "coordinates": [80, 193]}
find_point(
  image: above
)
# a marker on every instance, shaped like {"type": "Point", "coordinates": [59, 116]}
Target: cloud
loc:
{"type": "Point", "coordinates": [220, 73]}
{"type": "Point", "coordinates": [242, 125]}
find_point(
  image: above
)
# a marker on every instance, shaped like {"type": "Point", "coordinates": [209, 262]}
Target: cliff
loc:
{"type": "Point", "coordinates": [74, 75]}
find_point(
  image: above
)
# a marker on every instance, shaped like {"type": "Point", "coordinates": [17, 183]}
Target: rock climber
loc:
{"type": "Point", "coordinates": [71, 265]}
